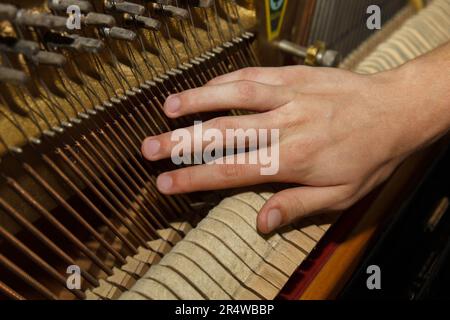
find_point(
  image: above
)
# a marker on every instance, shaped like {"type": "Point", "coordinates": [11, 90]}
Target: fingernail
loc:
{"type": "Point", "coordinates": [151, 148]}
{"type": "Point", "coordinates": [173, 104]}
{"type": "Point", "coordinates": [164, 183]}
{"type": "Point", "coordinates": [273, 219]}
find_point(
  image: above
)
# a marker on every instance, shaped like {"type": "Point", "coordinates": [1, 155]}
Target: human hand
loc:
{"type": "Point", "coordinates": [341, 135]}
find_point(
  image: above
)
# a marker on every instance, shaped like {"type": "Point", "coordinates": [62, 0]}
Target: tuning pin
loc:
{"type": "Point", "coordinates": [172, 12]}
{"type": "Point", "coordinates": [49, 58]}
{"type": "Point", "coordinates": [144, 22]}
{"type": "Point", "coordinates": [90, 45]}
{"type": "Point", "coordinates": [120, 34]}
{"type": "Point", "coordinates": [124, 7]}
{"type": "Point", "coordinates": [62, 5]}
{"type": "Point", "coordinates": [248, 35]}
{"type": "Point", "coordinates": [73, 42]}
{"type": "Point", "coordinates": [12, 149]}
{"type": "Point", "coordinates": [99, 20]}
{"type": "Point", "coordinates": [14, 45]}
{"type": "Point", "coordinates": [44, 20]}
{"type": "Point", "coordinates": [7, 12]}
{"type": "Point", "coordinates": [13, 76]}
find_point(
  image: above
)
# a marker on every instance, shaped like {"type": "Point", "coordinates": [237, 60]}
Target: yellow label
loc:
{"type": "Point", "coordinates": [275, 11]}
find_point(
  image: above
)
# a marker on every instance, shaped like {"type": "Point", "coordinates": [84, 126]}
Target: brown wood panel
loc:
{"type": "Point", "coordinates": [338, 269]}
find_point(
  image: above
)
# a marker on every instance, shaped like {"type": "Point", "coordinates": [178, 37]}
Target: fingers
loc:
{"type": "Point", "coordinates": [246, 95]}
{"type": "Point", "coordinates": [306, 80]}
{"type": "Point", "coordinates": [289, 205]}
{"type": "Point", "coordinates": [162, 146]}
{"type": "Point", "coordinates": [270, 76]}
{"type": "Point", "coordinates": [210, 177]}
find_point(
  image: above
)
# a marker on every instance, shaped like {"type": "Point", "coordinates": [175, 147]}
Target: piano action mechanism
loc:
{"type": "Point", "coordinates": [83, 83]}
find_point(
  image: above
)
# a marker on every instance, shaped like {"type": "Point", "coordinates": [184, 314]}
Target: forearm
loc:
{"type": "Point", "coordinates": [422, 88]}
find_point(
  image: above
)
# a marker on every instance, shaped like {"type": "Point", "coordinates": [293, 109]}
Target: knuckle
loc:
{"type": "Point", "coordinates": [187, 99]}
{"type": "Point", "coordinates": [298, 208]}
{"type": "Point", "coordinates": [222, 124]}
{"type": "Point", "coordinates": [307, 146]}
{"type": "Point", "coordinates": [303, 150]}
{"type": "Point", "coordinates": [293, 113]}
{"type": "Point", "coordinates": [185, 180]}
{"type": "Point", "coordinates": [165, 141]}
{"type": "Point", "coordinates": [291, 207]}
{"type": "Point", "coordinates": [282, 117]}
{"type": "Point", "coordinates": [245, 90]}
{"type": "Point", "coordinates": [276, 202]}
{"type": "Point", "coordinates": [249, 73]}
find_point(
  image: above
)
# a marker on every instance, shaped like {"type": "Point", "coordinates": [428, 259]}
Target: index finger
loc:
{"type": "Point", "coordinates": [246, 95]}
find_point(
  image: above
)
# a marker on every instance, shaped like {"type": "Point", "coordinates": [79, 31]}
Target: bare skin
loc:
{"type": "Point", "coordinates": [341, 133]}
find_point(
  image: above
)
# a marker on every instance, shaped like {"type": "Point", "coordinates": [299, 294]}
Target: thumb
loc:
{"type": "Point", "coordinates": [289, 205]}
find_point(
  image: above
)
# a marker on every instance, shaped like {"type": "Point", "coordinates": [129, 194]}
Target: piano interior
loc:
{"type": "Point", "coordinates": [82, 83]}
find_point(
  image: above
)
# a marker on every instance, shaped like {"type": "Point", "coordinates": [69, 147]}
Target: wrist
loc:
{"type": "Point", "coordinates": [417, 105]}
